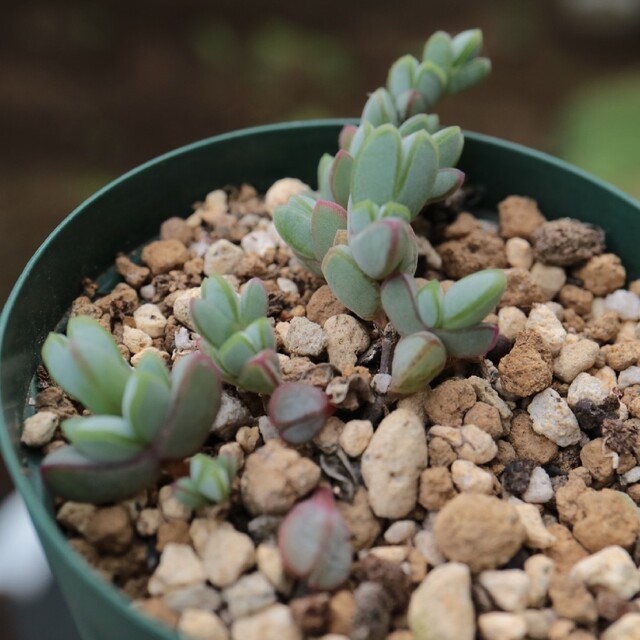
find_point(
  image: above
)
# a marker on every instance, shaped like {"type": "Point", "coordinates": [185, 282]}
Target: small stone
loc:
{"type": "Point", "coordinates": [629, 377]}
{"type": "Point", "coordinates": [550, 279]}
{"type": "Point", "coordinates": [196, 596]}
{"type": "Point", "coordinates": [478, 250]}
{"type": "Point", "coordinates": [232, 415]}
{"type": "Point", "coordinates": [537, 535]}
{"type": "Point", "coordinates": [436, 488]}
{"type": "Point", "coordinates": [270, 564]}
{"type": "Point", "coordinates": [470, 442]}
{"type": "Point", "coordinates": [538, 622]}
{"type": "Point", "coordinates": [425, 543]}
{"type": "Point", "coordinates": [76, 515]}
{"type": "Point", "coordinates": [576, 298]}
{"type": "Point", "coordinates": [170, 506]}
{"type": "Point", "coordinates": [586, 387]}
{"type": "Point", "coordinates": [174, 531]}
{"type": "Point", "coordinates": [511, 321]}
{"type": "Point", "coordinates": [400, 531]}
{"type": "Point", "coordinates": [259, 242]}
{"type": "Point", "coordinates": [602, 274]}
{"type": "Point", "coordinates": [182, 306]}
{"type": "Point", "coordinates": [469, 478]}
{"type": "Point", "coordinates": [248, 595]}
{"type": "Point", "coordinates": [363, 526]}
{"type": "Point", "coordinates": [135, 340]}
{"type": "Point", "coordinates": [519, 217]}
{"type": "Point", "coordinates": [527, 368]}
{"type": "Point", "coordinates": [373, 618]}
{"type": "Point", "coordinates": [540, 490]}
{"type": "Point", "coordinates": [392, 463]}
{"type": "Point", "coordinates": [521, 291]}
{"type": "Point", "coordinates": [625, 303]}
{"type": "Point", "coordinates": [137, 357]}
{"type": "Point", "coordinates": [202, 625]}
{"type": "Point", "coordinates": [150, 319]}
{"type": "Point", "coordinates": [227, 554]}
{"type": "Point", "coordinates": [305, 338]}
{"type": "Point", "coordinates": [323, 305]}
{"type": "Point", "coordinates": [517, 475]}
{"type": "Point", "coordinates": [497, 625]}
{"type": "Point", "coordinates": [447, 403]}
{"type": "Point", "coordinates": [39, 429]}
{"type": "Point", "coordinates": [552, 418]}
{"type": "Point", "coordinates": [539, 568]}
{"type": "Point", "coordinates": [626, 628]}
{"type": "Point", "coordinates": [280, 192]}
{"type": "Point", "coordinates": [528, 444]}
{"type": "Point", "coordinates": [148, 522]}
{"type": "Point", "coordinates": [598, 460]}
{"type": "Point", "coordinates": [162, 256]}
{"type": "Point", "coordinates": [622, 355]}
{"type": "Point", "coordinates": [574, 358]}
{"type": "Point", "coordinates": [177, 229]}
{"type": "Point", "coordinates": [312, 613]}
{"type": "Point", "coordinates": [273, 623]}
{"type": "Point", "coordinates": [542, 320]}
{"type": "Point", "coordinates": [481, 531]}
{"type": "Point", "coordinates": [355, 437]}
{"type": "Point", "coordinates": [571, 599]}
{"type": "Point", "coordinates": [606, 518]}
{"type": "Point", "coordinates": [342, 612]}
{"type": "Point", "coordinates": [110, 530]}
{"type": "Point", "coordinates": [157, 609]}
{"type": "Point", "coordinates": [519, 253]}
{"type": "Point", "coordinates": [133, 274]}
{"type": "Point", "coordinates": [346, 338]}
{"type": "Point", "coordinates": [441, 607]}
{"type": "Point", "coordinates": [566, 242]}
{"type": "Point", "coordinates": [611, 568]}
{"type": "Point", "coordinates": [179, 567]}
{"type": "Point", "coordinates": [247, 438]}
{"type": "Point", "coordinates": [222, 257]}
{"type": "Point", "coordinates": [487, 418]}
{"type": "Point", "coordinates": [566, 551]}
{"type": "Point", "coordinates": [275, 477]}
{"type": "Point", "coordinates": [509, 588]}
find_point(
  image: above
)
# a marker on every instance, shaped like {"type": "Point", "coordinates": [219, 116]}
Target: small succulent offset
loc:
{"type": "Point", "coordinates": [209, 481]}
{"type": "Point", "coordinates": [237, 334]}
{"type": "Point", "coordinates": [141, 418]}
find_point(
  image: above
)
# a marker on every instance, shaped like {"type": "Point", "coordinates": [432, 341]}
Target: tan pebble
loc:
{"type": "Point", "coordinates": [157, 609]}
{"type": "Point", "coordinates": [519, 253]}
{"type": "Point", "coordinates": [202, 625]}
{"type": "Point", "coordinates": [39, 429]}
{"type": "Point", "coordinates": [625, 628]}
{"type": "Point", "coordinates": [478, 250]}
{"type": "Point", "coordinates": [567, 499]}
{"type": "Point", "coordinates": [469, 442]}
{"type": "Point", "coordinates": [323, 304]}
{"type": "Point", "coordinates": [342, 612]}
{"type": "Point", "coordinates": [170, 506]}
{"type": "Point", "coordinates": [575, 358]}
{"type": "Point", "coordinates": [521, 291]}
{"type": "Point", "coordinates": [346, 338]}
{"type": "Point", "coordinates": [234, 452]}
{"type": "Point", "coordinates": [227, 555]}
{"type": "Point", "coordinates": [148, 522]}
{"type": "Point", "coordinates": [511, 321]}
{"type": "Point", "coordinates": [136, 357]}
{"type": "Point", "coordinates": [247, 438]}
{"type": "Point", "coordinates": [149, 318]}
{"type": "Point", "coordinates": [519, 217]}
{"type": "Point", "coordinates": [162, 256]}
{"type": "Point", "coordinates": [527, 368]}
{"type": "Point", "coordinates": [182, 306]}
{"type": "Point", "coordinates": [622, 355]}
{"type": "Point", "coordinates": [222, 257]}
{"type": "Point", "coordinates": [508, 588]}
{"type": "Point", "coordinates": [179, 566]}
{"type": "Point", "coordinates": [134, 274]}
{"type": "Point", "coordinates": [447, 403]}
{"type": "Point", "coordinates": [76, 515]}
{"type": "Point", "coordinates": [280, 192]}
{"type": "Point", "coordinates": [576, 298]}
{"type": "Point", "coordinates": [481, 531]}
{"type": "Point", "coordinates": [550, 279]}
{"type": "Point", "coordinates": [436, 488]}
{"type": "Point", "coordinates": [273, 623]}
{"type": "Point", "coordinates": [328, 437]}
{"type": "Point", "coordinates": [469, 478]}
{"type": "Point", "coordinates": [391, 553]}
{"type": "Point", "coordinates": [542, 320]}
{"type": "Point", "coordinates": [599, 460]}
{"type": "Point", "coordinates": [486, 417]}
{"type": "Point", "coordinates": [602, 274]}
{"type": "Point", "coordinates": [537, 535]}
{"type": "Point", "coordinates": [355, 437]}
{"type": "Point", "coordinates": [362, 523]}
{"type": "Point", "coordinates": [566, 551]}
{"type": "Point", "coordinates": [110, 530]}
{"type": "Point", "coordinates": [136, 340]}
{"type": "Point", "coordinates": [441, 453]}
{"type": "Point", "coordinates": [176, 229]}
{"type": "Point", "coordinates": [498, 625]}
{"type": "Point", "coordinates": [571, 599]}
{"type": "Point", "coordinates": [248, 595]}
{"type": "Point", "coordinates": [305, 338]}
{"type": "Point", "coordinates": [174, 531]}
{"type": "Point", "coordinates": [311, 613]}
{"type": "Point", "coordinates": [270, 564]}
{"type": "Point", "coordinates": [539, 568]}
{"type": "Point", "coordinates": [214, 206]}
{"type": "Point", "coordinates": [603, 328]}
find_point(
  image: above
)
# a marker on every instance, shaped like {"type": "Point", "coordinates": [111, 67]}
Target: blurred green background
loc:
{"type": "Point", "coordinates": [92, 88]}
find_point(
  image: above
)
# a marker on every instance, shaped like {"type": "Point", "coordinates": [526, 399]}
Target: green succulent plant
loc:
{"type": "Point", "coordinates": [141, 418]}
{"type": "Point", "coordinates": [209, 481]}
{"type": "Point", "coordinates": [237, 334]}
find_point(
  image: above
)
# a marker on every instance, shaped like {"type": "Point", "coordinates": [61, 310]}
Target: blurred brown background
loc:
{"type": "Point", "coordinates": [92, 88]}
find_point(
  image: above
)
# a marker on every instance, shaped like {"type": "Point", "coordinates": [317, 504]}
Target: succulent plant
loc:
{"type": "Point", "coordinates": [143, 416]}
{"type": "Point", "coordinates": [299, 411]}
{"type": "Point", "coordinates": [237, 334]}
{"type": "Point", "coordinates": [209, 481]}
{"type": "Point", "coordinates": [314, 542]}
{"type": "Point", "coordinates": [434, 326]}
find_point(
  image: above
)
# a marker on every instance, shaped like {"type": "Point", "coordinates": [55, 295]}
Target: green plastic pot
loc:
{"type": "Point", "coordinates": [128, 212]}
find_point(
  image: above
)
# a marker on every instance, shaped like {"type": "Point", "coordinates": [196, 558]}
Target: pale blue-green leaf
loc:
{"type": "Point", "coordinates": [298, 411]}
{"type": "Point", "coordinates": [393, 210]}
{"type": "Point", "coordinates": [254, 303]}
{"type": "Point", "coordinates": [310, 264]}
{"type": "Point", "coordinates": [261, 374]}
{"type": "Point", "coordinates": [429, 301]}
{"type": "Point", "coordinates": [346, 136]}
{"type": "Point", "coordinates": [415, 180]}
{"type": "Point", "coordinates": [293, 223]}
{"type": "Point", "coordinates": [410, 103]}
{"type": "Point", "coordinates": [466, 45]}
{"type": "Point", "coordinates": [398, 296]}
{"type": "Point", "coordinates": [472, 298]}
{"type": "Point", "coordinates": [324, 167]}
{"type": "Point", "coordinates": [362, 133]}
{"type": "Point", "coordinates": [469, 74]}
{"type": "Point", "coordinates": [340, 177]}
{"type": "Point", "coordinates": [376, 166]}
{"type": "Point", "coordinates": [380, 109]}
{"type": "Point", "coordinates": [420, 122]}
{"type": "Point", "coordinates": [439, 49]}
{"type": "Point", "coordinates": [212, 476]}
{"type": "Point", "coordinates": [73, 476]}
{"type": "Point", "coordinates": [186, 492]}
{"type": "Point", "coordinates": [401, 75]}
{"type": "Point", "coordinates": [327, 219]}
{"type": "Point", "coordinates": [448, 181]}
{"type": "Point", "coordinates": [213, 325]}
{"type": "Point", "coordinates": [469, 343]}
{"type": "Point", "coordinates": [154, 365]}
{"type": "Point", "coordinates": [450, 142]}
{"type": "Point", "coordinates": [361, 215]}
{"type": "Point", "coordinates": [195, 400]}
{"type": "Point", "coordinates": [260, 334]}
{"type": "Point", "coordinates": [103, 438]}
{"type": "Point", "coordinates": [145, 405]}
{"type": "Point", "coordinates": [431, 81]}
{"type": "Point", "coordinates": [236, 352]}
{"type": "Point", "coordinates": [417, 360]}
{"type": "Point", "coordinates": [349, 284]}
{"type": "Point", "coordinates": [217, 290]}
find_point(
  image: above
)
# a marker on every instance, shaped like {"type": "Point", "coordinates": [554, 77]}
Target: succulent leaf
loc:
{"type": "Point", "coordinates": [340, 177]}
{"type": "Point", "coordinates": [261, 374]}
{"type": "Point", "coordinates": [469, 343]}
{"type": "Point", "coordinates": [439, 49]}
{"type": "Point", "coordinates": [402, 75]}
{"type": "Point", "coordinates": [429, 301]}
{"type": "Point", "coordinates": [346, 136]}
{"type": "Point", "coordinates": [466, 45]}
{"type": "Point", "coordinates": [195, 400]}
{"type": "Point", "coordinates": [430, 81]}
{"type": "Point", "coordinates": [253, 302]}
{"type": "Point", "coordinates": [420, 122]}
{"type": "Point", "coordinates": [469, 74]}
{"type": "Point", "coordinates": [314, 542]}
{"type": "Point", "coordinates": [209, 481]}
{"type": "Point", "coordinates": [418, 172]}
{"type": "Point", "coordinates": [298, 411]}
{"type": "Point", "coordinates": [326, 220]}
{"type": "Point", "coordinates": [380, 109]}
{"type": "Point", "coordinates": [450, 142]}
{"type": "Point", "coordinates": [293, 223]}
{"type": "Point", "coordinates": [410, 104]}
{"type": "Point", "coordinates": [154, 365]}
{"type": "Point", "coordinates": [88, 365]}
{"type": "Point", "coordinates": [417, 359]}
{"type": "Point", "coordinates": [103, 438]}
{"type": "Point", "coordinates": [68, 473]}
{"type": "Point", "coordinates": [398, 296]}
{"type": "Point", "coordinates": [349, 284]}
{"type": "Point", "coordinates": [186, 492]}
{"type": "Point", "coordinates": [324, 167]}
{"type": "Point", "coordinates": [448, 181]}
{"type": "Point", "coordinates": [145, 405]}
{"type": "Point", "coordinates": [470, 299]}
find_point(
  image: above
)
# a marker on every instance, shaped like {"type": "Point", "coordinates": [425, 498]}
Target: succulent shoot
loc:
{"type": "Point", "coordinates": [155, 416]}
{"type": "Point", "coordinates": [209, 481]}
{"type": "Point", "coordinates": [299, 411]}
{"type": "Point", "coordinates": [436, 326]}
{"type": "Point", "coordinates": [237, 334]}
{"type": "Point", "coordinates": [314, 542]}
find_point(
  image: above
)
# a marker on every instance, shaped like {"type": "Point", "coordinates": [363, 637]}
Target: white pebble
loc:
{"type": "Point", "coordinates": [632, 476]}
{"type": "Point", "coordinates": [248, 595]}
{"type": "Point", "coordinates": [519, 253]}
{"type": "Point", "coordinates": [135, 339]}
{"type": "Point", "coordinates": [198, 624]}
{"type": "Point", "coordinates": [287, 286]}
{"type": "Point", "coordinates": [626, 303]}
{"type": "Point", "coordinates": [545, 322]}
{"type": "Point", "coordinates": [305, 338]}
{"type": "Point", "coordinates": [550, 279]}
{"type": "Point", "coordinates": [179, 567]}
{"type": "Point", "coordinates": [355, 437]}
{"type": "Point", "coordinates": [259, 242]}
{"type": "Point", "coordinates": [222, 257]}
{"type": "Point", "coordinates": [400, 531]}
{"type": "Point", "coordinates": [539, 568]}
{"type": "Point", "coordinates": [540, 489]}
{"type": "Point", "coordinates": [586, 387]}
{"type": "Point", "coordinates": [538, 536]}
{"type": "Point", "coordinates": [39, 429]}
{"type": "Point", "coordinates": [629, 377]}
{"type": "Point", "coordinates": [498, 625]}
{"type": "Point", "coordinates": [182, 306]}
{"type": "Point", "coordinates": [551, 417]}
{"type": "Point", "coordinates": [624, 628]}
{"type": "Point", "coordinates": [508, 588]}
{"type": "Point", "coordinates": [470, 478]}
{"type": "Point", "coordinates": [150, 319]}
{"type": "Point", "coordinates": [511, 321]}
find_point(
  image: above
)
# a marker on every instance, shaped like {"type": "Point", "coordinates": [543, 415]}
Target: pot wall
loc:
{"type": "Point", "coordinates": [129, 211]}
